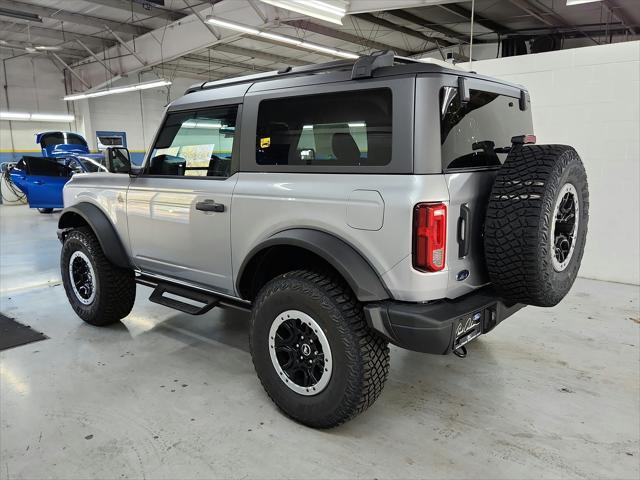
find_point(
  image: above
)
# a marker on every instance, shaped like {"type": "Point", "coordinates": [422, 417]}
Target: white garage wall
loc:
{"type": "Point", "coordinates": [137, 113]}
{"type": "Point", "coordinates": [33, 85]}
{"type": "Point", "coordinates": [590, 98]}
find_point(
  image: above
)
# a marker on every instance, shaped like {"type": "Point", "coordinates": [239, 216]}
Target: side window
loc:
{"type": "Point", "coordinates": [334, 129]}
{"type": "Point", "coordinates": [197, 143]}
{"type": "Point", "coordinates": [478, 133]}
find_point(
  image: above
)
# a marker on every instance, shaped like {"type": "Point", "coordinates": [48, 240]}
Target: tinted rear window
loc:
{"type": "Point", "coordinates": [472, 134]}
{"type": "Point", "coordinates": [336, 129]}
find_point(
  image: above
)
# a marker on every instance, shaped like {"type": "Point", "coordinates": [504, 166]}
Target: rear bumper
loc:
{"type": "Point", "coordinates": [439, 327]}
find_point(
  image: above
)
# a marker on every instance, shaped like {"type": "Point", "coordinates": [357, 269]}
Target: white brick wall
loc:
{"type": "Point", "coordinates": [590, 98]}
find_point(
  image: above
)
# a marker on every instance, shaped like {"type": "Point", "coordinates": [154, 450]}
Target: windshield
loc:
{"type": "Point", "coordinates": [92, 165]}
{"type": "Point", "coordinates": [58, 138]}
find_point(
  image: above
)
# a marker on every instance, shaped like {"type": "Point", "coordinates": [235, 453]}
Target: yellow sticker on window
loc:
{"type": "Point", "coordinates": [265, 142]}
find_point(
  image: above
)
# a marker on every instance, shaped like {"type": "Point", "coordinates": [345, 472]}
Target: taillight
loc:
{"type": "Point", "coordinates": [429, 236]}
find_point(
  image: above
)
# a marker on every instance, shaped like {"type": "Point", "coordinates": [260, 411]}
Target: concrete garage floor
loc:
{"type": "Point", "coordinates": [550, 393]}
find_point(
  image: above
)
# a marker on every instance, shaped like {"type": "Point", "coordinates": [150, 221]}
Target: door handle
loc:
{"type": "Point", "coordinates": [464, 230]}
{"type": "Point", "coordinates": [209, 206]}
{"type": "Point", "coordinates": [38, 182]}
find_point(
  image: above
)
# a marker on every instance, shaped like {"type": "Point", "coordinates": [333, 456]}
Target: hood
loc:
{"type": "Point", "coordinates": [61, 144]}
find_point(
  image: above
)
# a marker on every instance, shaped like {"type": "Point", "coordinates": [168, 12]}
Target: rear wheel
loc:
{"type": "Point", "coordinates": [313, 351]}
{"type": "Point", "coordinates": [45, 210]}
{"type": "Point", "coordinates": [99, 292]}
{"type": "Point", "coordinates": [536, 224]}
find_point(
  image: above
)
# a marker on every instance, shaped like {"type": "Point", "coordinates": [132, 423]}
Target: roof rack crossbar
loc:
{"type": "Point", "coordinates": [365, 66]}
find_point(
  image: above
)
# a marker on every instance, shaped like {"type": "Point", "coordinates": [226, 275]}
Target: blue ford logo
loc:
{"type": "Point", "coordinates": [462, 275]}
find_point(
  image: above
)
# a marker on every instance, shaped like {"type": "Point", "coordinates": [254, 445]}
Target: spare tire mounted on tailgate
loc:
{"type": "Point", "coordinates": [536, 224]}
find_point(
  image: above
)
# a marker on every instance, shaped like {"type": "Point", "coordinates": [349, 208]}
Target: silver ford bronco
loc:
{"type": "Point", "coordinates": [346, 205]}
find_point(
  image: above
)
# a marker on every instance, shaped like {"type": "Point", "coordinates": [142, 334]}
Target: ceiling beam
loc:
{"type": "Point", "coordinates": [73, 17]}
{"type": "Point", "coordinates": [423, 22]}
{"type": "Point", "coordinates": [262, 55]}
{"type": "Point", "coordinates": [548, 15]}
{"type": "Point", "coordinates": [368, 17]}
{"type": "Point", "coordinates": [184, 37]}
{"type": "Point", "coordinates": [177, 66]}
{"type": "Point", "coordinates": [147, 10]}
{"type": "Point", "coordinates": [34, 31]}
{"type": "Point", "coordinates": [60, 50]}
{"type": "Point", "coordinates": [346, 36]}
{"type": "Point", "coordinates": [620, 13]}
{"type": "Point", "coordinates": [205, 60]}
{"type": "Point", "coordinates": [525, 6]}
{"type": "Point", "coordinates": [479, 19]}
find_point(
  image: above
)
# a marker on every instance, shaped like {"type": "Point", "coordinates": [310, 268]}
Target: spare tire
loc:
{"type": "Point", "coordinates": [536, 224]}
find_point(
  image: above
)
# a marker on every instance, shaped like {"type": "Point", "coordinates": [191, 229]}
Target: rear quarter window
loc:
{"type": "Point", "coordinates": [476, 134]}
{"type": "Point", "coordinates": [334, 129]}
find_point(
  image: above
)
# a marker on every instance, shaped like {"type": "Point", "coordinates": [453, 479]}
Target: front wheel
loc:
{"type": "Point", "coordinates": [313, 351]}
{"type": "Point", "coordinates": [98, 291]}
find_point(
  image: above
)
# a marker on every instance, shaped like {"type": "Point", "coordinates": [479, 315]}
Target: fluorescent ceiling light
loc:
{"type": "Point", "coordinates": [14, 116]}
{"type": "Point", "coordinates": [32, 17]}
{"type": "Point", "coordinates": [327, 10]}
{"type": "Point", "coordinates": [48, 117]}
{"type": "Point", "coordinates": [48, 48]}
{"type": "Point", "coordinates": [281, 38]}
{"type": "Point", "coordinates": [36, 117]}
{"type": "Point", "coordinates": [580, 2]}
{"type": "Point", "coordinates": [112, 91]}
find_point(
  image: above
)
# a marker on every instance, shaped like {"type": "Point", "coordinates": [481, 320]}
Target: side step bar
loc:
{"type": "Point", "coordinates": [207, 301]}
{"type": "Point", "coordinates": [198, 300]}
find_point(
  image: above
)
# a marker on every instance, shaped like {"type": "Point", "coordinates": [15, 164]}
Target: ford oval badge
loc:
{"type": "Point", "coordinates": [462, 275]}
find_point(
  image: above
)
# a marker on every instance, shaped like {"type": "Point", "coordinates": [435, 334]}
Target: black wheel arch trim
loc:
{"type": "Point", "coordinates": [102, 228]}
{"type": "Point", "coordinates": [348, 262]}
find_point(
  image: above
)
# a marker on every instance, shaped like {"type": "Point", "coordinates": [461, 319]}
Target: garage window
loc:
{"type": "Point", "coordinates": [336, 129]}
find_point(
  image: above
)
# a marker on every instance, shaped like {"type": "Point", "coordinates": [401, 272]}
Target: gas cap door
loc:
{"type": "Point", "coordinates": [365, 210]}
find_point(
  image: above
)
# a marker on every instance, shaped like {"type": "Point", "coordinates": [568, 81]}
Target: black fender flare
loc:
{"type": "Point", "coordinates": [102, 227]}
{"type": "Point", "coordinates": [348, 262]}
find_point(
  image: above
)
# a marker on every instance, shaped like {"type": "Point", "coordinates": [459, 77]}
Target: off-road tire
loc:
{"type": "Point", "coordinates": [115, 287]}
{"type": "Point", "coordinates": [520, 219]}
{"type": "Point", "coordinates": [45, 210]}
{"type": "Point", "coordinates": [360, 356]}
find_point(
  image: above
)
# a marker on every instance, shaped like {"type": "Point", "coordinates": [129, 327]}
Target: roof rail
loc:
{"type": "Point", "coordinates": [363, 67]}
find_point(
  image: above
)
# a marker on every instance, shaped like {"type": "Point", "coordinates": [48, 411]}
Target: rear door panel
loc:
{"type": "Point", "coordinates": [470, 191]}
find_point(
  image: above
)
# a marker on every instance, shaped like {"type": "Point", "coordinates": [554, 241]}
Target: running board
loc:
{"type": "Point", "coordinates": [206, 302]}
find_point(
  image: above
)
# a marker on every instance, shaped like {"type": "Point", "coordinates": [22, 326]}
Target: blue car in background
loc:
{"type": "Point", "coordinates": [64, 154]}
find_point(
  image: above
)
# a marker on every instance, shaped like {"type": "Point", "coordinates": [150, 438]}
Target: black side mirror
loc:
{"type": "Point", "coordinates": [118, 160]}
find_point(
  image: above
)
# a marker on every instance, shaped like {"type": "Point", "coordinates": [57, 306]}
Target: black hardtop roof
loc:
{"type": "Point", "coordinates": [378, 64]}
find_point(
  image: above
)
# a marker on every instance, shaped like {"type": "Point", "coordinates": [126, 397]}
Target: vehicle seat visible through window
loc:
{"type": "Point", "coordinates": [345, 149]}
{"type": "Point", "coordinates": [219, 167]}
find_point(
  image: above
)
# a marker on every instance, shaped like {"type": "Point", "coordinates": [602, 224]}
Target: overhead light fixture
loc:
{"type": "Point", "coordinates": [48, 48]}
{"type": "Point", "coordinates": [36, 117]}
{"type": "Point", "coordinates": [580, 2]}
{"type": "Point", "coordinates": [328, 10]}
{"type": "Point", "coordinates": [49, 117]}
{"type": "Point", "coordinates": [14, 116]}
{"type": "Point", "coordinates": [113, 91]}
{"type": "Point", "coordinates": [281, 38]}
{"type": "Point", "coordinates": [32, 17]}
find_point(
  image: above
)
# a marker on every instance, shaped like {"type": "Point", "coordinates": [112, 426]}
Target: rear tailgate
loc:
{"type": "Point", "coordinates": [475, 140]}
